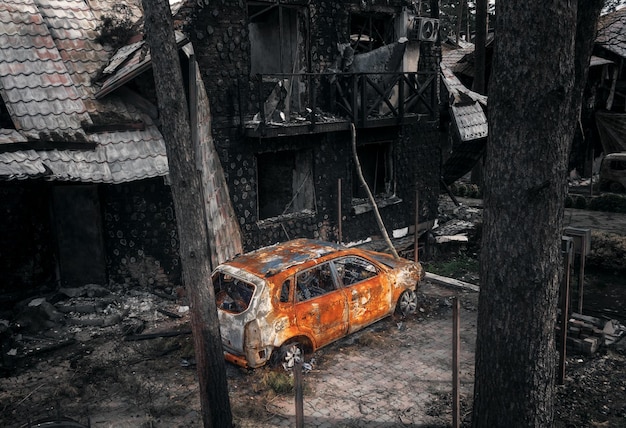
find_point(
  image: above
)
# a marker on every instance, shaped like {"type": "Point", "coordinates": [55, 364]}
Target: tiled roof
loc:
{"type": "Point", "coordinates": [458, 91]}
{"type": "Point", "coordinates": [36, 85]}
{"type": "Point", "coordinates": [452, 55]}
{"type": "Point", "coordinates": [49, 57]}
{"type": "Point", "coordinates": [612, 32]}
{"type": "Point", "coordinates": [127, 63]}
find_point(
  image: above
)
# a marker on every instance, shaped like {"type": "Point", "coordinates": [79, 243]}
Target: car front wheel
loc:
{"type": "Point", "coordinates": [407, 303]}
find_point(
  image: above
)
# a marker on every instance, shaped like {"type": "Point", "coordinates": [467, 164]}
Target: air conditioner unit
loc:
{"type": "Point", "coordinates": [425, 29]}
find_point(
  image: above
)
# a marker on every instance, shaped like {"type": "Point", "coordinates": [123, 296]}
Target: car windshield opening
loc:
{"type": "Point", "coordinates": [232, 294]}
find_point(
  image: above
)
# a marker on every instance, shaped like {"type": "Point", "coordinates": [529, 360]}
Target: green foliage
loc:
{"type": "Point", "coordinates": [280, 382]}
{"type": "Point", "coordinates": [454, 267]}
{"type": "Point", "coordinates": [608, 251]}
{"type": "Point", "coordinates": [609, 203]}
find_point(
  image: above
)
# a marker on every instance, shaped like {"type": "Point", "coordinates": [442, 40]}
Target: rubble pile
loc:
{"type": "Point", "coordinates": [456, 224]}
{"type": "Point", "coordinates": [587, 334]}
{"type": "Point", "coordinates": [46, 323]}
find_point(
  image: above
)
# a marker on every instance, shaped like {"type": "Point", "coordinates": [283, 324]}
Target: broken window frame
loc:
{"type": "Point", "coordinates": [299, 11]}
{"type": "Point", "coordinates": [232, 294]}
{"type": "Point", "coordinates": [359, 194]}
{"type": "Point", "coordinates": [377, 29]}
{"type": "Point", "coordinates": [292, 59]}
{"type": "Point", "coordinates": [315, 282]}
{"type": "Point", "coordinates": [302, 198]}
{"type": "Point", "coordinates": [348, 266]}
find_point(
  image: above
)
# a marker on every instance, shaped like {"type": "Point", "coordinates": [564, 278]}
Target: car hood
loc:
{"type": "Point", "coordinates": [388, 260]}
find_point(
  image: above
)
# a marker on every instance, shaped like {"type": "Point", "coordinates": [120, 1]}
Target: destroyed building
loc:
{"type": "Point", "coordinates": [274, 88]}
{"type": "Point", "coordinates": [287, 79]}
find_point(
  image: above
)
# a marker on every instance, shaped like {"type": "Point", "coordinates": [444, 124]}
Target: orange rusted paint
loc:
{"type": "Point", "coordinates": [235, 359]}
{"type": "Point", "coordinates": [311, 291]}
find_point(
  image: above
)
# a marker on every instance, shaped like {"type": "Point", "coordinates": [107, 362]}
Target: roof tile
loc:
{"type": "Point", "coordinates": [48, 58]}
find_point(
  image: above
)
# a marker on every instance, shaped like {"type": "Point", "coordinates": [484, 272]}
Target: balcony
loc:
{"type": "Point", "coordinates": [294, 104]}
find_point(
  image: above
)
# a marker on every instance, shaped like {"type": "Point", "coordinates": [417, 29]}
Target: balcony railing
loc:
{"type": "Point", "coordinates": [365, 99]}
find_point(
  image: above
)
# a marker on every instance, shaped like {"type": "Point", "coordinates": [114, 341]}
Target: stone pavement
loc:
{"type": "Point", "coordinates": [396, 373]}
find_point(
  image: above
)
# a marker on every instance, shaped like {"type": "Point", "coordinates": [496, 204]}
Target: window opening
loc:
{"type": "Point", "coordinates": [275, 38]}
{"type": "Point", "coordinates": [353, 270]}
{"type": "Point", "coordinates": [314, 282]}
{"type": "Point", "coordinates": [285, 291]}
{"type": "Point", "coordinates": [377, 166]}
{"type": "Point", "coordinates": [285, 183]}
{"type": "Point", "coordinates": [371, 31]}
{"type": "Point", "coordinates": [618, 165]}
{"type": "Point", "coordinates": [232, 294]}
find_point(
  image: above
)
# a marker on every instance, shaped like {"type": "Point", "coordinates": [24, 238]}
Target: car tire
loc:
{"type": "Point", "coordinates": [616, 187]}
{"type": "Point", "coordinates": [286, 355]}
{"type": "Point", "coordinates": [407, 303]}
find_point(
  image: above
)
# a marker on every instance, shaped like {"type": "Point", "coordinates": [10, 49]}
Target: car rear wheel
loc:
{"type": "Point", "coordinates": [288, 355]}
{"type": "Point", "coordinates": [407, 303]}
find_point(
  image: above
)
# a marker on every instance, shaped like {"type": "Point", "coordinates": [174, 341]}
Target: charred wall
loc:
{"type": "Point", "coordinates": [415, 158]}
{"type": "Point", "coordinates": [43, 243]}
{"type": "Point", "coordinates": [140, 235]}
{"type": "Point", "coordinates": [219, 32]}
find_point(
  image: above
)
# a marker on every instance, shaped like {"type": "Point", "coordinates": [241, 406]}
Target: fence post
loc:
{"type": "Point", "coordinates": [297, 375]}
{"type": "Point", "coordinates": [567, 244]}
{"type": "Point", "coordinates": [456, 345]}
{"type": "Point", "coordinates": [339, 213]}
{"type": "Point", "coordinates": [416, 235]}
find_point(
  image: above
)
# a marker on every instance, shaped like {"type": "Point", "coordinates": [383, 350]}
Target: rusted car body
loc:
{"type": "Point", "coordinates": [306, 291]}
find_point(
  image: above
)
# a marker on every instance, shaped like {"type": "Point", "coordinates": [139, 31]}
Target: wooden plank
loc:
{"type": "Point", "coordinates": [156, 335]}
{"type": "Point", "coordinates": [438, 279]}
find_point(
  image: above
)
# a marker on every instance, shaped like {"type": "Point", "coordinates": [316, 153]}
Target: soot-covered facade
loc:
{"type": "Point", "coordinates": [287, 80]}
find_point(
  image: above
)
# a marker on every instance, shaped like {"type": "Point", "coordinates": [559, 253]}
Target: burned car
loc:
{"type": "Point", "coordinates": [613, 172]}
{"type": "Point", "coordinates": [306, 292]}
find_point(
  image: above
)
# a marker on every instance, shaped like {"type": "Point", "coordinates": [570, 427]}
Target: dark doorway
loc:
{"type": "Point", "coordinates": [78, 223]}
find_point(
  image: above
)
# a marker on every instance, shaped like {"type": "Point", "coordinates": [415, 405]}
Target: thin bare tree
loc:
{"type": "Point", "coordinates": [187, 193]}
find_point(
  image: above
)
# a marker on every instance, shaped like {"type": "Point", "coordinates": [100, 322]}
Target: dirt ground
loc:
{"type": "Point", "coordinates": [91, 368]}
{"type": "Point", "coordinates": [105, 381]}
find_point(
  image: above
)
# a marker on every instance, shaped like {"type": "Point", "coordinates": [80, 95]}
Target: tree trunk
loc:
{"type": "Point", "coordinates": [187, 194]}
{"type": "Point", "coordinates": [479, 43]}
{"type": "Point", "coordinates": [532, 115]}
{"type": "Point", "coordinates": [459, 21]}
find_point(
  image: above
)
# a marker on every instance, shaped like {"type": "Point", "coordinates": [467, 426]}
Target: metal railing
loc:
{"type": "Point", "coordinates": [361, 98]}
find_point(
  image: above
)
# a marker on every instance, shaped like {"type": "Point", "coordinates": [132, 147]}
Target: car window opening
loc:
{"type": "Point", "coordinates": [232, 294]}
{"type": "Point", "coordinates": [353, 270]}
{"type": "Point", "coordinates": [284, 291]}
{"type": "Point", "coordinates": [314, 282]}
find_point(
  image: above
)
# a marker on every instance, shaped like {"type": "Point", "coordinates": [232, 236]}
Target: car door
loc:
{"type": "Point", "coordinates": [320, 305]}
{"type": "Point", "coordinates": [367, 290]}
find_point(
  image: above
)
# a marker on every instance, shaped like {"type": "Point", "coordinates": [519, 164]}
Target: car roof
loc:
{"type": "Point", "coordinates": [616, 155]}
{"type": "Point", "coordinates": [268, 261]}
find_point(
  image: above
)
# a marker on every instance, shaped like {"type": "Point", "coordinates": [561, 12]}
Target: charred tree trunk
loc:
{"type": "Point", "coordinates": [188, 202]}
{"type": "Point", "coordinates": [479, 43]}
{"type": "Point", "coordinates": [532, 115]}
